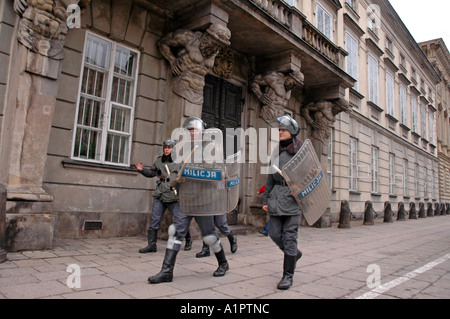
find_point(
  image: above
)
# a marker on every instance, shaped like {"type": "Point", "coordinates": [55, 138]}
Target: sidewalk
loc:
{"type": "Point", "coordinates": [412, 258]}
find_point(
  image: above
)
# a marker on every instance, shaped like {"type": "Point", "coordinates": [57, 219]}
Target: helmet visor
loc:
{"type": "Point", "coordinates": [287, 123]}
{"type": "Point", "coordinates": [193, 123]}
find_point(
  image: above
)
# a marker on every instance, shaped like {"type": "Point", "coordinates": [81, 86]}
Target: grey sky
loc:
{"type": "Point", "coordinates": [425, 20]}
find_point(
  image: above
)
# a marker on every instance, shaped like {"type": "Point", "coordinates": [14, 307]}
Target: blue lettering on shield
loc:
{"type": "Point", "coordinates": [204, 174]}
{"type": "Point", "coordinates": [314, 183]}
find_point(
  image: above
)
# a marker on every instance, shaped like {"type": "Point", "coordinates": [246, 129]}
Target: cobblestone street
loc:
{"type": "Point", "coordinates": [403, 260]}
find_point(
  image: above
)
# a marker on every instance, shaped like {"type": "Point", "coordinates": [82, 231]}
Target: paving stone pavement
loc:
{"type": "Point", "coordinates": [402, 260]}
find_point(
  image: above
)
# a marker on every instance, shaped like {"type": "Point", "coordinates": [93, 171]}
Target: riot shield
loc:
{"type": "Point", "coordinates": [308, 183]}
{"type": "Point", "coordinates": [232, 175]}
{"type": "Point", "coordinates": [209, 185]}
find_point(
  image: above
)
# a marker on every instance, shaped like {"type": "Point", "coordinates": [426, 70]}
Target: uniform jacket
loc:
{"type": "Point", "coordinates": [163, 191]}
{"type": "Point", "coordinates": [277, 194]}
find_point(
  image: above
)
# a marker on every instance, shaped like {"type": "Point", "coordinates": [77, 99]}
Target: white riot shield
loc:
{"type": "Point", "coordinates": [308, 183]}
{"type": "Point", "coordinates": [232, 173]}
{"type": "Point", "coordinates": [207, 182]}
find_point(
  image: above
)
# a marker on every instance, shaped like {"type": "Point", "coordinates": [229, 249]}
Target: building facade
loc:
{"type": "Point", "coordinates": [86, 91]}
{"type": "Point", "coordinates": [438, 54]}
{"type": "Point", "coordinates": [389, 138]}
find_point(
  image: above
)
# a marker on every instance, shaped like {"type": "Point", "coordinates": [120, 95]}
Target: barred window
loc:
{"type": "Point", "coordinates": [105, 110]}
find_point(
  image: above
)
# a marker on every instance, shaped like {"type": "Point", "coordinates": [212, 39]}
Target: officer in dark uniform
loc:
{"type": "Point", "coordinates": [177, 231]}
{"type": "Point", "coordinates": [163, 197]}
{"type": "Point", "coordinates": [285, 214]}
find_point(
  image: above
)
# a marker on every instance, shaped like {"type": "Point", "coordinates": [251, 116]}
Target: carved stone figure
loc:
{"type": "Point", "coordinates": [43, 25]}
{"type": "Point", "coordinates": [321, 116]}
{"type": "Point", "coordinates": [191, 56]}
{"type": "Point", "coordinates": [273, 89]}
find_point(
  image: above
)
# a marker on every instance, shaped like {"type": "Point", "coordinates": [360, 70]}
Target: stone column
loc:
{"type": "Point", "coordinates": [32, 89]}
{"type": "Point", "coordinates": [320, 116]}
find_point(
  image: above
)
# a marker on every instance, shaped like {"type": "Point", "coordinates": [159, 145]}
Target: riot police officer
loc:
{"type": "Point", "coordinates": [163, 197]}
{"type": "Point", "coordinates": [285, 214]}
{"type": "Point", "coordinates": [178, 229]}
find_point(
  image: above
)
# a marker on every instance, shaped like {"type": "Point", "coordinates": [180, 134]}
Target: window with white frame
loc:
{"type": "Point", "coordinates": [353, 153]}
{"type": "Point", "coordinates": [416, 180]}
{"type": "Point", "coordinates": [351, 3]}
{"type": "Point", "coordinates": [403, 106]}
{"type": "Point", "coordinates": [352, 58]}
{"type": "Point", "coordinates": [330, 160]}
{"type": "Point", "coordinates": [390, 94]}
{"type": "Point", "coordinates": [373, 79]}
{"type": "Point", "coordinates": [105, 110]}
{"type": "Point", "coordinates": [423, 117]}
{"type": "Point", "coordinates": [415, 125]}
{"type": "Point", "coordinates": [431, 126]}
{"type": "Point", "coordinates": [324, 22]}
{"type": "Point", "coordinates": [391, 174]}
{"type": "Point", "coordinates": [425, 182]}
{"type": "Point", "coordinates": [375, 152]}
{"type": "Point", "coordinates": [405, 178]}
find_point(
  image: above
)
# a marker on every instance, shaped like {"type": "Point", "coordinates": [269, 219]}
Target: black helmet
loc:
{"type": "Point", "coordinates": [194, 122]}
{"type": "Point", "coordinates": [169, 142]}
{"type": "Point", "coordinates": [288, 123]}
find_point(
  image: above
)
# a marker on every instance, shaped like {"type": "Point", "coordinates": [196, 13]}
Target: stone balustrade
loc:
{"type": "Point", "coordinates": [285, 15]}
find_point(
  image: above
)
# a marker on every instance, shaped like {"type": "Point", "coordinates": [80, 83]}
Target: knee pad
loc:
{"type": "Point", "coordinates": [172, 242]}
{"type": "Point", "coordinates": [213, 242]}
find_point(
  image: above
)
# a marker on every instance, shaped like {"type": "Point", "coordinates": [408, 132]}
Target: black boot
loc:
{"type": "Point", "coordinates": [299, 255]}
{"type": "Point", "coordinates": [288, 272]}
{"type": "Point", "coordinates": [152, 236]}
{"type": "Point", "coordinates": [233, 243]}
{"type": "Point", "coordinates": [188, 244]}
{"type": "Point", "coordinates": [223, 264]}
{"type": "Point", "coordinates": [204, 252]}
{"type": "Point", "coordinates": [166, 273]}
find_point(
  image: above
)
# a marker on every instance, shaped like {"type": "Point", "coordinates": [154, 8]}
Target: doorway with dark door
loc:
{"type": "Point", "coordinates": [222, 108]}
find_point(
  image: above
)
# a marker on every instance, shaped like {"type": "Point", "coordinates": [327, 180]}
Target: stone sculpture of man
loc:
{"type": "Point", "coordinates": [43, 25]}
{"type": "Point", "coordinates": [321, 116]}
{"type": "Point", "coordinates": [191, 56]}
{"type": "Point", "coordinates": [273, 89]}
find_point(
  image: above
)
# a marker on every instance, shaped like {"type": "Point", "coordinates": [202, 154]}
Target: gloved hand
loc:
{"type": "Point", "coordinates": [175, 183]}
